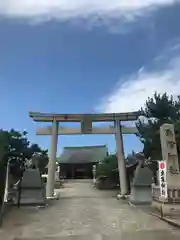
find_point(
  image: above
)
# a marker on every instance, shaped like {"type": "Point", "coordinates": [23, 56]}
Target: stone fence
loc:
{"type": "Point", "coordinates": [173, 194]}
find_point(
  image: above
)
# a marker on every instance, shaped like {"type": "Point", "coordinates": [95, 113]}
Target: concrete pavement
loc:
{"type": "Point", "coordinates": [83, 212]}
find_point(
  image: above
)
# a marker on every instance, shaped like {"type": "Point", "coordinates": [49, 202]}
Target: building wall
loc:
{"type": "Point", "coordinates": [74, 171]}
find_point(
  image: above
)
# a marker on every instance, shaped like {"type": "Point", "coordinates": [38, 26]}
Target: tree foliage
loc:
{"type": "Point", "coordinates": [40, 161]}
{"type": "Point", "coordinates": [15, 147]}
{"type": "Point", "coordinates": [158, 110]}
{"type": "Point", "coordinates": [107, 167]}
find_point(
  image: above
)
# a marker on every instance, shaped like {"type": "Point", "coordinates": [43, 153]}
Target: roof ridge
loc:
{"type": "Point", "coordinates": [81, 147]}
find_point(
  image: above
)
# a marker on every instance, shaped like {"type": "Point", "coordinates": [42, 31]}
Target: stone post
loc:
{"type": "Point", "coordinates": [52, 161]}
{"type": "Point", "coordinates": [121, 159]}
{"type": "Point", "coordinates": [169, 154]}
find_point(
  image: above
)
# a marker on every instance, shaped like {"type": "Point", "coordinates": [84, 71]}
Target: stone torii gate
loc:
{"type": "Point", "coordinates": [86, 121]}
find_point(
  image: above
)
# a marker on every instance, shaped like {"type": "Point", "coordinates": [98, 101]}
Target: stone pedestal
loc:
{"type": "Point", "coordinates": [170, 205]}
{"type": "Point", "coordinates": [141, 192]}
{"type": "Point", "coordinates": [32, 189]}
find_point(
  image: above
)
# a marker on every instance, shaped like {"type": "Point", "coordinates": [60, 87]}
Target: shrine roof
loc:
{"type": "Point", "coordinates": [82, 154]}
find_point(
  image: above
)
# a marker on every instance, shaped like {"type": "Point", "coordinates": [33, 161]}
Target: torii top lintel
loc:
{"type": "Point", "coordinates": [99, 117]}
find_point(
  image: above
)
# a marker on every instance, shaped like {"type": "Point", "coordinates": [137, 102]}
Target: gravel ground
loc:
{"type": "Point", "coordinates": [83, 212]}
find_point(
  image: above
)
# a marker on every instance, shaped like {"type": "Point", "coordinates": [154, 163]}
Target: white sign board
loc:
{"type": "Point", "coordinates": [162, 179]}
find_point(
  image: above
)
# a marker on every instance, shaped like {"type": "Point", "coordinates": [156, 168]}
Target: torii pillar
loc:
{"type": "Point", "coordinates": [52, 161]}
{"type": "Point", "coordinates": [121, 159]}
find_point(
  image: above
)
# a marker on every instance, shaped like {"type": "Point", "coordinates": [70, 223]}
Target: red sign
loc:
{"type": "Point", "coordinates": [162, 165]}
{"type": "Point", "coordinates": [162, 179]}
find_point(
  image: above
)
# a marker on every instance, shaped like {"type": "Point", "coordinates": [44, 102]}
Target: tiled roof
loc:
{"type": "Point", "coordinates": [84, 154]}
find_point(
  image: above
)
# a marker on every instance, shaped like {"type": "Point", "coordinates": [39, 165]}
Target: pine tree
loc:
{"type": "Point", "coordinates": [158, 110]}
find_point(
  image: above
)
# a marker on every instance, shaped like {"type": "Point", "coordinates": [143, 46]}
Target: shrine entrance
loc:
{"type": "Point", "coordinates": [86, 121]}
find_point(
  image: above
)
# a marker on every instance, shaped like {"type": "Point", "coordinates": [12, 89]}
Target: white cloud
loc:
{"type": "Point", "coordinates": [133, 93]}
{"type": "Point", "coordinates": [68, 9]}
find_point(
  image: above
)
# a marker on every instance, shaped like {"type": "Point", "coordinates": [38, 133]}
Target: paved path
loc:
{"type": "Point", "coordinates": [84, 213]}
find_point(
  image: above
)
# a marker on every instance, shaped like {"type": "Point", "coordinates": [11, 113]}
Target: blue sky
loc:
{"type": "Point", "coordinates": [89, 56]}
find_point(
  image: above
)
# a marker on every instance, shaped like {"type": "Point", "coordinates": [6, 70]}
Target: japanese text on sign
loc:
{"type": "Point", "coordinates": [162, 179]}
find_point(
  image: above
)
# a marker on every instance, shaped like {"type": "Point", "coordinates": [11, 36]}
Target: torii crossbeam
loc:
{"type": "Point", "coordinates": [46, 131]}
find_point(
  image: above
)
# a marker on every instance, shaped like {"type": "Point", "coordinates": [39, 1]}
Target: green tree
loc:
{"type": "Point", "coordinates": [15, 147]}
{"type": "Point", "coordinates": [107, 167]}
{"type": "Point", "coordinates": [4, 146]}
{"type": "Point", "coordinates": [34, 148]}
{"type": "Point", "coordinates": [40, 161]}
{"type": "Point", "coordinates": [158, 110]}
